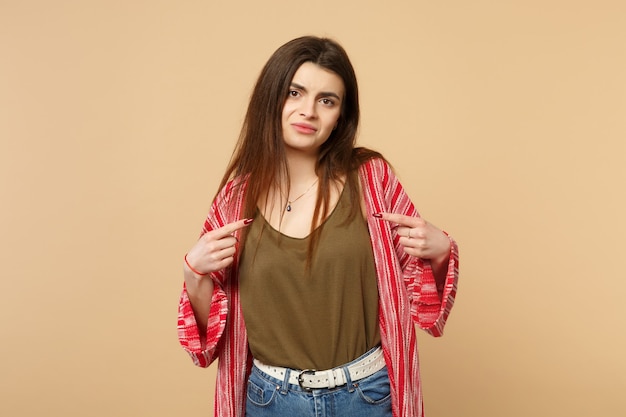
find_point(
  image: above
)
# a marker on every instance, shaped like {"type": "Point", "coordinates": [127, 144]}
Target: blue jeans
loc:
{"type": "Point", "coordinates": [268, 396]}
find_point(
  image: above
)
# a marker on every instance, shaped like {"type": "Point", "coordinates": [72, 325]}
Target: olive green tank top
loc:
{"type": "Point", "coordinates": [317, 319]}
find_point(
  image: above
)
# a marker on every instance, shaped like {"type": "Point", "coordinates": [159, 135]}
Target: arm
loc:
{"type": "Point", "coordinates": [203, 306]}
{"type": "Point", "coordinates": [214, 251]}
{"type": "Point", "coordinates": [428, 260]}
{"type": "Point", "coordinates": [201, 345]}
{"type": "Point", "coordinates": [420, 239]}
{"type": "Point", "coordinates": [200, 294]}
{"type": "Point", "coordinates": [434, 297]}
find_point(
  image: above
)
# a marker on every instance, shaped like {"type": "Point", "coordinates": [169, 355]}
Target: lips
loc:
{"type": "Point", "coordinates": [304, 128]}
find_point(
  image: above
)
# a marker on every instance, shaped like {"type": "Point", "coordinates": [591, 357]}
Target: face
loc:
{"type": "Point", "coordinates": [312, 108]}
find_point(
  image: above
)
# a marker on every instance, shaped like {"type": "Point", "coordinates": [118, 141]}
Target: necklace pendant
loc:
{"type": "Point", "coordinates": [288, 208]}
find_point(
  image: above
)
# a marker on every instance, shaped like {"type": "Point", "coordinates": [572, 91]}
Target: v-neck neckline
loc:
{"type": "Point", "coordinates": [332, 212]}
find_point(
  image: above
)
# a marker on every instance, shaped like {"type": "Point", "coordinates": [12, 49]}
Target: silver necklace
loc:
{"type": "Point", "coordinates": [290, 202]}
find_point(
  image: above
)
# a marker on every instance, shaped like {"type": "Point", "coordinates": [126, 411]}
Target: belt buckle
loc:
{"type": "Point", "coordinates": [301, 378]}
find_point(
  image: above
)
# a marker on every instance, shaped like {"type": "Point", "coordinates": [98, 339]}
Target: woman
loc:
{"type": "Point", "coordinates": [313, 257]}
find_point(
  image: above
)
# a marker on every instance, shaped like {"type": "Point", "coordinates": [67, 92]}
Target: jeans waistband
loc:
{"type": "Point", "coordinates": [308, 379]}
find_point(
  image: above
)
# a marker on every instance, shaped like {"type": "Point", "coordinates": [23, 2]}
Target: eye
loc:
{"type": "Point", "coordinates": [327, 102]}
{"type": "Point", "coordinates": [293, 93]}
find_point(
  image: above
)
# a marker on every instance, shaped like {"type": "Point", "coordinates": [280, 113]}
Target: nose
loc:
{"type": "Point", "coordinates": [308, 109]}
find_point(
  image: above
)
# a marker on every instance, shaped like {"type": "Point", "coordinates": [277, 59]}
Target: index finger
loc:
{"type": "Point", "coordinates": [229, 228]}
{"type": "Point", "coordinates": [400, 219]}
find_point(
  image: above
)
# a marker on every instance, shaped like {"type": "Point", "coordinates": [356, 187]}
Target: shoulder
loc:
{"type": "Point", "coordinates": [227, 203]}
{"type": "Point", "coordinates": [368, 160]}
{"type": "Point", "coordinates": [233, 189]}
{"type": "Point", "coordinates": [377, 164]}
{"type": "Point", "coordinates": [377, 170]}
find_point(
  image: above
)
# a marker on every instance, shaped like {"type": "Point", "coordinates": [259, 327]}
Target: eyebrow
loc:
{"type": "Point", "coordinates": [321, 94]}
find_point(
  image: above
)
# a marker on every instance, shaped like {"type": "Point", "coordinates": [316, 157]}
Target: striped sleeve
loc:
{"type": "Point", "coordinates": [204, 350]}
{"type": "Point", "coordinates": [202, 354]}
{"type": "Point", "coordinates": [429, 305]}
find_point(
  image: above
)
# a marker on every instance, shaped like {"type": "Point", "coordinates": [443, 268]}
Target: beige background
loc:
{"type": "Point", "coordinates": [504, 119]}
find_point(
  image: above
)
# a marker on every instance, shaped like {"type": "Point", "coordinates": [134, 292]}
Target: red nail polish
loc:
{"type": "Point", "coordinates": [248, 221]}
{"type": "Point", "coordinates": [377, 215]}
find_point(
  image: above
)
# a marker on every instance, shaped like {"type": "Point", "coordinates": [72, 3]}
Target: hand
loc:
{"type": "Point", "coordinates": [215, 249]}
{"type": "Point", "coordinates": [419, 238]}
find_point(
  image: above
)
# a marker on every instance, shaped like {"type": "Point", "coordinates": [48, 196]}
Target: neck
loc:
{"type": "Point", "coordinates": [301, 168]}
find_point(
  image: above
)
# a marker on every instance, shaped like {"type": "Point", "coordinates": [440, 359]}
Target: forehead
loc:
{"type": "Point", "coordinates": [316, 78]}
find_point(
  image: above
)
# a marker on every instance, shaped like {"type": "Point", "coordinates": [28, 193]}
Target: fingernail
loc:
{"type": "Point", "coordinates": [248, 221]}
{"type": "Point", "coordinates": [377, 215]}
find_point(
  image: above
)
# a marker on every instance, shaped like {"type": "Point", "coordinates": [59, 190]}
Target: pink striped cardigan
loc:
{"type": "Point", "coordinates": [407, 289]}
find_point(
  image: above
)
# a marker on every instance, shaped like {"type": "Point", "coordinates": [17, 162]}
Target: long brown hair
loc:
{"type": "Point", "coordinates": [259, 154]}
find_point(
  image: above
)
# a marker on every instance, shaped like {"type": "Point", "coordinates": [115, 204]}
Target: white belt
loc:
{"type": "Point", "coordinates": [310, 379]}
